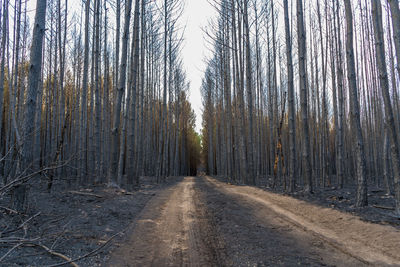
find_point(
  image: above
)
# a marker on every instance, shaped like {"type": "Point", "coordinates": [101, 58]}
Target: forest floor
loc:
{"type": "Point", "coordinates": [67, 224]}
{"type": "Point", "coordinates": [193, 221]}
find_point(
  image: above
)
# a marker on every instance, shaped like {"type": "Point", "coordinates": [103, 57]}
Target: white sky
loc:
{"type": "Point", "coordinates": [197, 15]}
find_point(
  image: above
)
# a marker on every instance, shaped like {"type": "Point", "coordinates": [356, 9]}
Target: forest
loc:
{"type": "Point", "coordinates": [75, 107]}
{"type": "Point", "coordinates": [300, 102]}
{"type": "Point", "coordinates": [305, 92]}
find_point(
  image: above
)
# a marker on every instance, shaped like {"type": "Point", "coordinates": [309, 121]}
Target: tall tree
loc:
{"type": "Point", "coordinates": [303, 97]}
{"type": "Point", "coordinates": [395, 12]}
{"type": "Point", "coordinates": [134, 84]}
{"type": "Point", "coordinates": [34, 76]}
{"type": "Point", "coordinates": [384, 86]}
{"type": "Point", "coordinates": [84, 117]}
{"type": "Point", "coordinates": [119, 95]}
{"type": "Point", "coordinates": [292, 123]}
{"type": "Point", "coordinates": [2, 64]}
{"type": "Point", "coordinates": [249, 89]}
{"type": "Point", "coordinates": [362, 199]}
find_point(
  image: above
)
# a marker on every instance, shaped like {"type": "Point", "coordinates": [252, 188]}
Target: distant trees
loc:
{"type": "Point", "coordinates": [335, 148]}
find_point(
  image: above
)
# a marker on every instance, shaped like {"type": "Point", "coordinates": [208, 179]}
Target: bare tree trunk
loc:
{"type": "Point", "coordinates": [386, 164]}
{"type": "Point", "coordinates": [362, 199]}
{"type": "Point", "coordinates": [83, 126]}
{"type": "Point", "coordinates": [122, 144]}
{"type": "Point", "coordinates": [118, 97]}
{"type": "Point", "coordinates": [133, 85]}
{"type": "Point", "coordinates": [394, 10]}
{"type": "Point", "coordinates": [106, 107]}
{"type": "Point", "coordinates": [334, 93]}
{"type": "Point", "coordinates": [292, 123]}
{"type": "Point", "coordinates": [324, 121]}
{"type": "Point", "coordinates": [61, 51]}
{"type": "Point", "coordinates": [303, 97]}
{"type": "Point", "coordinates": [384, 85]}
{"type": "Point", "coordinates": [3, 59]}
{"type": "Point", "coordinates": [2, 74]}
{"type": "Point", "coordinates": [35, 70]}
{"type": "Point", "coordinates": [140, 157]}
{"type": "Point", "coordinates": [341, 122]}
{"type": "Point", "coordinates": [117, 44]}
{"type": "Point", "coordinates": [38, 120]}
{"type": "Point", "coordinates": [98, 106]}
{"type": "Point", "coordinates": [249, 88]}
{"type": "Point", "coordinates": [227, 82]}
{"type": "Point", "coordinates": [240, 97]}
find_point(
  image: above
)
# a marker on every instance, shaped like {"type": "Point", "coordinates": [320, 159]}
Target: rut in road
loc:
{"type": "Point", "coordinates": [306, 230]}
{"type": "Point", "coordinates": [201, 221]}
{"type": "Point", "coordinates": [173, 230]}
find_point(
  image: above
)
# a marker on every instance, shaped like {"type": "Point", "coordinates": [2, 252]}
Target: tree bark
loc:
{"type": "Point", "coordinates": [395, 11]}
{"type": "Point", "coordinates": [303, 98]}
{"type": "Point", "coordinates": [362, 199]}
{"type": "Point", "coordinates": [292, 123]}
{"type": "Point", "coordinates": [83, 126]}
{"type": "Point", "coordinates": [120, 93]}
{"type": "Point", "coordinates": [35, 70]}
{"type": "Point", "coordinates": [384, 86]}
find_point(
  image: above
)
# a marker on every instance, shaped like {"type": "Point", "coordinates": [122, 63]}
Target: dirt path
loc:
{"type": "Point", "coordinates": [173, 230]}
{"type": "Point", "coordinates": [203, 222]}
{"type": "Point", "coordinates": [370, 243]}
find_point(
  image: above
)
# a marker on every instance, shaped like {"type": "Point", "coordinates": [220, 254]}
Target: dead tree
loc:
{"type": "Point", "coordinates": [303, 97]}
{"type": "Point", "coordinates": [118, 97]}
{"type": "Point", "coordinates": [362, 199]}
{"type": "Point", "coordinates": [292, 123]}
{"type": "Point", "coordinates": [384, 86]}
{"type": "Point", "coordinates": [35, 72]}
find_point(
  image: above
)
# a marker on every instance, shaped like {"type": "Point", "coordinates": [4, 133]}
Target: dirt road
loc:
{"type": "Point", "coordinates": [203, 222]}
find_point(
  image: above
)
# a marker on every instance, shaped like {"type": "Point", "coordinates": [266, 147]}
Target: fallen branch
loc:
{"type": "Point", "coordinates": [90, 253]}
{"type": "Point", "coordinates": [377, 191]}
{"type": "Point", "coordinates": [22, 224]}
{"type": "Point", "coordinates": [8, 152]}
{"type": "Point", "coordinates": [10, 210]}
{"type": "Point", "coordinates": [382, 207]}
{"type": "Point", "coordinates": [57, 254]}
{"type": "Point", "coordinates": [85, 194]}
{"type": "Point", "coordinates": [23, 179]}
{"type": "Point", "coordinates": [11, 250]}
{"type": "Point", "coordinates": [17, 240]}
{"type": "Point", "coordinates": [31, 218]}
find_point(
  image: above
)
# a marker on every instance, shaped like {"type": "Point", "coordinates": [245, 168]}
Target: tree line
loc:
{"type": "Point", "coordinates": [304, 92]}
{"type": "Point", "coordinates": [96, 94]}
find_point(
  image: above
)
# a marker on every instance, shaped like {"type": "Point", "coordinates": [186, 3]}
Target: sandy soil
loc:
{"type": "Point", "coordinates": [173, 230]}
{"type": "Point", "coordinates": [203, 222]}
